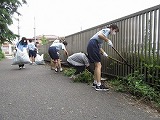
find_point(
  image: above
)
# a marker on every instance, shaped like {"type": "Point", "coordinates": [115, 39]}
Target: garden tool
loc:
{"type": "Point", "coordinates": [122, 58]}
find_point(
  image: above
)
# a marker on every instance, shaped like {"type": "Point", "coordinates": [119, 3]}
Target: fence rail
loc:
{"type": "Point", "coordinates": [138, 40]}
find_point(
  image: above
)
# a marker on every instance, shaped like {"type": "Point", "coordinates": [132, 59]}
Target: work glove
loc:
{"type": "Point", "coordinates": [110, 43]}
{"type": "Point", "coordinates": [105, 54]}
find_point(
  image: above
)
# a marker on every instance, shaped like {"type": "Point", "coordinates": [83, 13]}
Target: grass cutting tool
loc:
{"type": "Point", "coordinates": [125, 62]}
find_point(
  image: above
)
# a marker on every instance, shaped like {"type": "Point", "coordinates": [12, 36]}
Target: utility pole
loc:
{"type": "Point", "coordinates": [18, 29]}
{"type": "Point", "coordinates": [34, 31]}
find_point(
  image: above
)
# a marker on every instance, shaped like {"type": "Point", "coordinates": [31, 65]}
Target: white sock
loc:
{"type": "Point", "coordinates": [98, 83]}
{"type": "Point", "coordinates": [95, 82]}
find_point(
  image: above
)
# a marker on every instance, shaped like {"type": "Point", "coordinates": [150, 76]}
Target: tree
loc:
{"type": "Point", "coordinates": [44, 40]}
{"type": "Point", "coordinates": [7, 9]}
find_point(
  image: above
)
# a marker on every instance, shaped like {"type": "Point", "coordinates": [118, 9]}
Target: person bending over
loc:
{"type": "Point", "coordinates": [78, 61]}
{"type": "Point", "coordinates": [53, 52]}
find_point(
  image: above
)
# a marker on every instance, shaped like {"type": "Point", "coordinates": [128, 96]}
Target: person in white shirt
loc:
{"type": "Point", "coordinates": [32, 51]}
{"type": "Point", "coordinates": [53, 52]}
{"type": "Point", "coordinates": [94, 50]}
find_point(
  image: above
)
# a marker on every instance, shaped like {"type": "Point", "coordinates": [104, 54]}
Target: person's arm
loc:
{"type": "Point", "coordinates": [103, 52]}
{"type": "Point", "coordinates": [65, 52]}
{"type": "Point", "coordinates": [103, 37]}
{"type": "Point", "coordinates": [64, 48]}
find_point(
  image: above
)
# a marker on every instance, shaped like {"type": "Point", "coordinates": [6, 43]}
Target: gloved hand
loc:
{"type": "Point", "coordinates": [105, 54]}
{"type": "Point", "coordinates": [110, 43]}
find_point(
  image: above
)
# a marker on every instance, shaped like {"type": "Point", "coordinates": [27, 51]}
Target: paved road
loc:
{"type": "Point", "coordinates": [37, 93]}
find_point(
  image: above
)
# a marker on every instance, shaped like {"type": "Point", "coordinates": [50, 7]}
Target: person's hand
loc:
{"type": "Point", "coordinates": [105, 54]}
{"type": "Point", "coordinates": [110, 43]}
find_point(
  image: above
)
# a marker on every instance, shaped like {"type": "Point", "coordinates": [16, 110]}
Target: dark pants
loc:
{"type": "Point", "coordinates": [53, 53]}
{"type": "Point", "coordinates": [32, 53]}
{"type": "Point", "coordinates": [79, 69]}
{"type": "Point", "coordinates": [93, 51]}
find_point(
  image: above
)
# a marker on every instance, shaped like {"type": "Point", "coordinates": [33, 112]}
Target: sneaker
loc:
{"type": "Point", "coordinates": [94, 85]}
{"type": "Point", "coordinates": [101, 88]}
{"type": "Point", "coordinates": [34, 63]}
{"type": "Point", "coordinates": [23, 67]}
{"type": "Point", "coordinates": [60, 69]}
{"type": "Point", "coordinates": [56, 70]}
{"type": "Point", "coordinates": [20, 68]}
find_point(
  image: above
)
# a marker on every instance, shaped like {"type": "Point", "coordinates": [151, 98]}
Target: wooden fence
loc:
{"type": "Point", "coordinates": [138, 41]}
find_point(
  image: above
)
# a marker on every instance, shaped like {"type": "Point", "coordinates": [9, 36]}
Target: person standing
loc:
{"type": "Point", "coordinates": [79, 61]}
{"type": "Point", "coordinates": [53, 52]}
{"type": "Point", "coordinates": [22, 45]}
{"type": "Point", "coordinates": [94, 50]}
{"type": "Point", "coordinates": [32, 51]}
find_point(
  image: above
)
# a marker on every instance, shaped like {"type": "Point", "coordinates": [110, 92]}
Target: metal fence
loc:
{"type": "Point", "coordinates": [138, 40]}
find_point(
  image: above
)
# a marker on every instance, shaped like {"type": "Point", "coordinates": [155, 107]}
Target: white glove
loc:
{"type": "Point", "coordinates": [110, 43]}
{"type": "Point", "coordinates": [105, 54]}
{"type": "Point", "coordinates": [58, 53]}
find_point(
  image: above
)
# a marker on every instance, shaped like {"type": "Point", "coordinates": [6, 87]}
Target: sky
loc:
{"type": "Point", "coordinates": [65, 17]}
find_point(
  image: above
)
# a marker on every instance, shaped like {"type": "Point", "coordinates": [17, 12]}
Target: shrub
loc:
{"type": "Point", "coordinates": [135, 84]}
{"type": "Point", "coordinates": [2, 56]}
{"type": "Point", "coordinates": [84, 77]}
{"type": "Point", "coordinates": [69, 72]}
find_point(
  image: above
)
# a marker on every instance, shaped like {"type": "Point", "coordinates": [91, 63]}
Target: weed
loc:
{"type": "Point", "coordinates": [84, 77]}
{"type": "Point", "coordinates": [69, 71]}
{"type": "Point", "coordinates": [135, 84]}
{"type": "Point", "coordinates": [2, 56]}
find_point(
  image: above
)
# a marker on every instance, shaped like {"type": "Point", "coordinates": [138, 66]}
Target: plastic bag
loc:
{"type": "Point", "coordinates": [21, 57]}
{"type": "Point", "coordinates": [39, 60]}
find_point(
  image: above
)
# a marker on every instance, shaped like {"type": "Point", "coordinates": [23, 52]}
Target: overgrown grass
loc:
{"type": "Point", "coordinates": [84, 77]}
{"type": "Point", "coordinates": [135, 85]}
{"type": "Point", "coordinates": [69, 71]}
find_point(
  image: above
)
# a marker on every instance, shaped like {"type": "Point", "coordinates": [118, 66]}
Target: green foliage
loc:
{"type": "Point", "coordinates": [84, 77]}
{"type": "Point", "coordinates": [46, 56]}
{"type": "Point", "coordinates": [150, 68]}
{"type": "Point", "coordinates": [7, 9]}
{"type": "Point", "coordinates": [136, 85]}
{"type": "Point", "coordinates": [44, 40]}
{"type": "Point", "coordinates": [69, 72]}
{"type": "Point", "coordinates": [2, 56]}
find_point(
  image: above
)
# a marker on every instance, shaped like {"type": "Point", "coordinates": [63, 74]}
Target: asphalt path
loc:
{"type": "Point", "coordinates": [37, 93]}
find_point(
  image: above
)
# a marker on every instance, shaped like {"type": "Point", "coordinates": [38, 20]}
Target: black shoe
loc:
{"type": "Point", "coordinates": [94, 85]}
{"type": "Point", "coordinates": [101, 88]}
